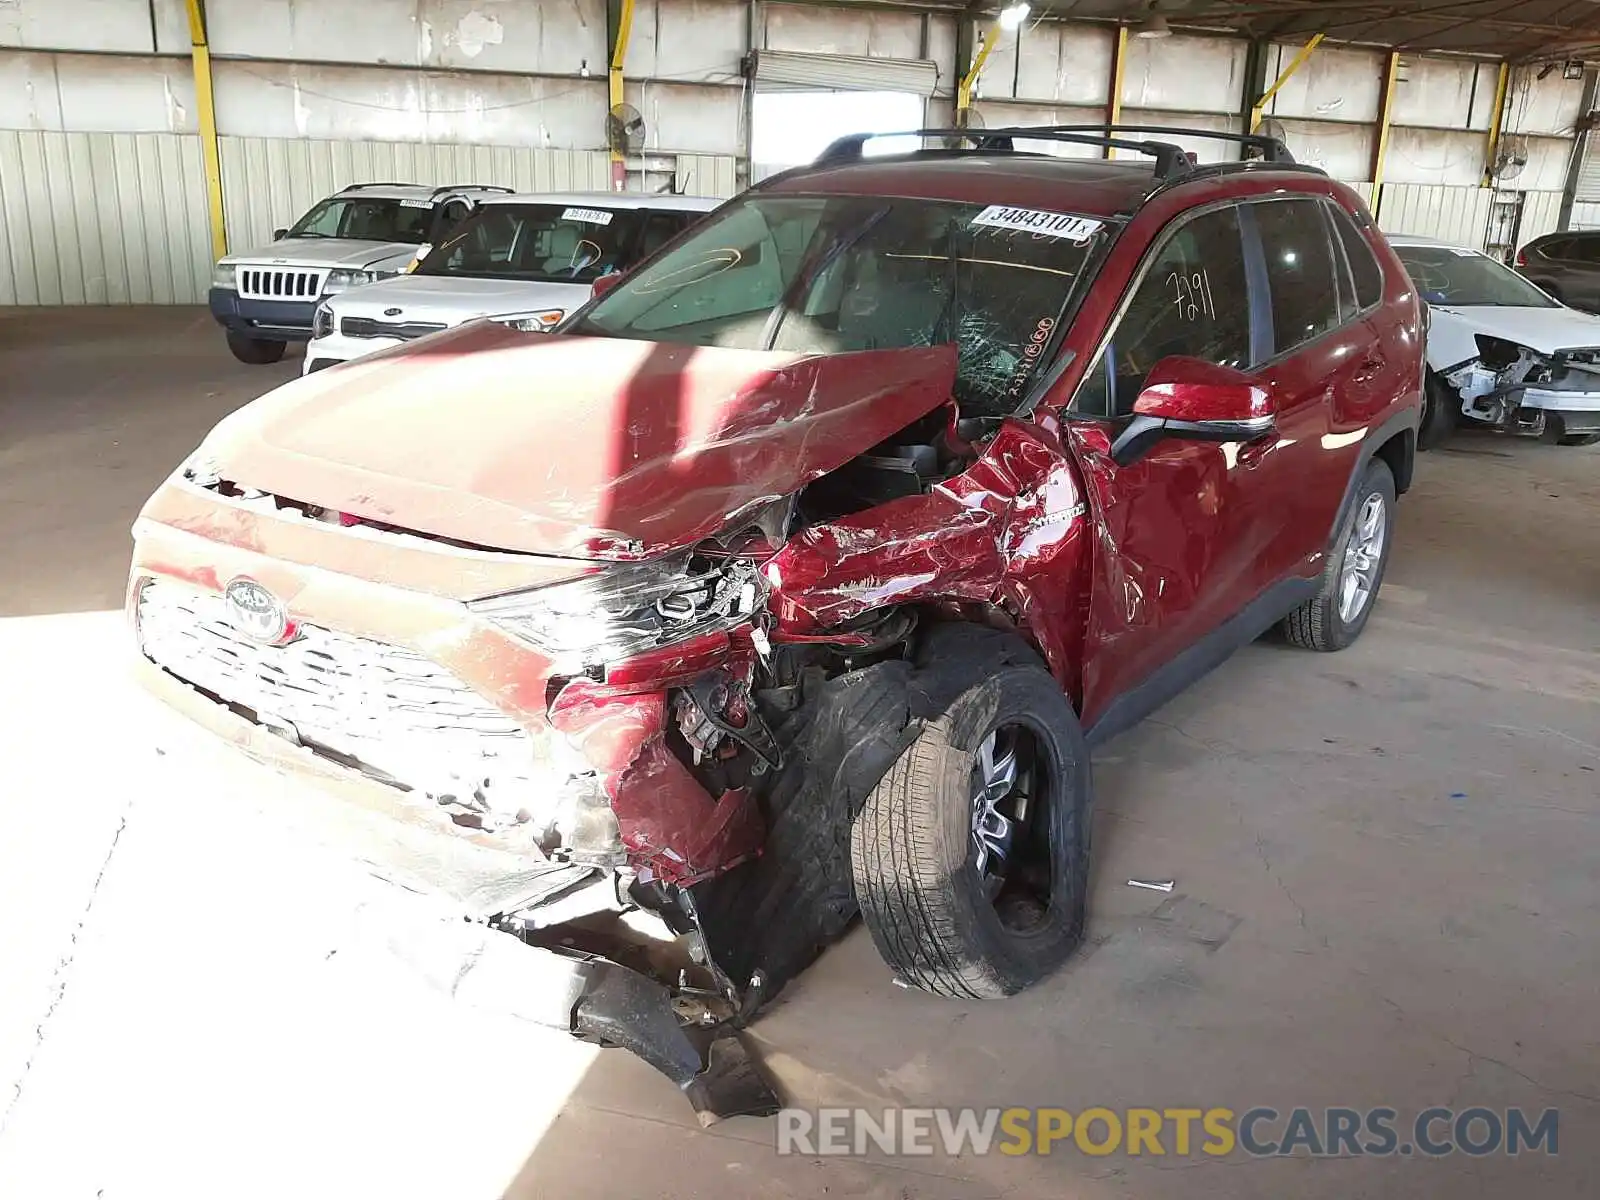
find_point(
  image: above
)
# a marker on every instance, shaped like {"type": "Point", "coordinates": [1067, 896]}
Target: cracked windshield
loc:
{"type": "Point", "coordinates": [827, 275]}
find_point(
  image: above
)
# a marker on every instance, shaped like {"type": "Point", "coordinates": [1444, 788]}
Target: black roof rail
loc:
{"type": "Point", "coordinates": [356, 187]}
{"type": "Point", "coordinates": [1272, 149]}
{"type": "Point", "coordinates": [472, 187]}
{"type": "Point", "coordinates": [1171, 160]}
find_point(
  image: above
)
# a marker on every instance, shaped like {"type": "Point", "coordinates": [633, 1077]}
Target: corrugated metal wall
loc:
{"type": "Point", "coordinates": [1451, 214]}
{"type": "Point", "coordinates": [102, 218]}
{"type": "Point", "coordinates": [268, 182]}
{"type": "Point", "coordinates": [121, 218]}
{"type": "Point", "coordinates": [1541, 214]}
{"type": "Point", "coordinates": [1462, 214]}
{"type": "Point", "coordinates": [706, 175]}
{"type": "Point", "coordinates": [1585, 216]}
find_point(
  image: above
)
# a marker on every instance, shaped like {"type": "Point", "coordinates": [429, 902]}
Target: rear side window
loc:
{"type": "Point", "coordinates": [1193, 301]}
{"type": "Point", "coordinates": [1558, 249]}
{"type": "Point", "coordinates": [1364, 269]}
{"type": "Point", "coordinates": [1584, 250]}
{"type": "Point", "coordinates": [1304, 284]}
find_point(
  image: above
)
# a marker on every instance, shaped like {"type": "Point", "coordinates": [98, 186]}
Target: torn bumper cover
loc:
{"type": "Point", "coordinates": [606, 1003]}
{"type": "Point", "coordinates": [477, 877]}
{"type": "Point", "coordinates": [1522, 390]}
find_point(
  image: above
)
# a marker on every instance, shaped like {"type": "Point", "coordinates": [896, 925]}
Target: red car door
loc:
{"type": "Point", "coordinates": [1324, 362]}
{"type": "Point", "coordinates": [1167, 570]}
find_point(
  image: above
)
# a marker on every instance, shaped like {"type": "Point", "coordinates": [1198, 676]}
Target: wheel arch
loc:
{"type": "Point", "coordinates": [1400, 452]}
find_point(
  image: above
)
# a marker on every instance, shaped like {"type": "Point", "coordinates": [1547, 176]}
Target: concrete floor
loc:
{"type": "Point", "coordinates": [1386, 892]}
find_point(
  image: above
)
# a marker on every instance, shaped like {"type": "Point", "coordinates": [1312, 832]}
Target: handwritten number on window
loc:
{"type": "Point", "coordinates": [1191, 294]}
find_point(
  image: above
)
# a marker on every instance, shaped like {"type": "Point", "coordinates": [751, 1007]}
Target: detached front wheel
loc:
{"type": "Point", "coordinates": [971, 856]}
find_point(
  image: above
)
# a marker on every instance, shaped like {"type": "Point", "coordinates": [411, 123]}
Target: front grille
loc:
{"type": "Point", "coordinates": [384, 709]}
{"type": "Point", "coordinates": [278, 283]}
{"type": "Point", "coordinates": [367, 327]}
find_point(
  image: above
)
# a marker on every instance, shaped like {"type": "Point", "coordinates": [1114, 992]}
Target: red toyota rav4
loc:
{"type": "Point", "coordinates": [798, 574]}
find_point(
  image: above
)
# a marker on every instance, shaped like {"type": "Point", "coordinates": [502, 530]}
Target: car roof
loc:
{"type": "Point", "coordinates": [1099, 187]}
{"type": "Point", "coordinates": [418, 191]}
{"type": "Point", "coordinates": [613, 200]}
{"type": "Point", "coordinates": [1091, 186]}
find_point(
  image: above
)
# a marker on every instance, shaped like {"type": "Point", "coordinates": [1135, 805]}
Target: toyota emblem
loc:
{"type": "Point", "coordinates": [391, 312]}
{"type": "Point", "coordinates": [256, 612]}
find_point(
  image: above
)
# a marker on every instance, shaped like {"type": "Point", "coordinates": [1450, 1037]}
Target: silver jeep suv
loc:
{"type": "Point", "coordinates": [369, 231]}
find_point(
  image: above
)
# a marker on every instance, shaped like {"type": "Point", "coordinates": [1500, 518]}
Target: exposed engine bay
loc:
{"type": "Point", "coordinates": [1528, 392]}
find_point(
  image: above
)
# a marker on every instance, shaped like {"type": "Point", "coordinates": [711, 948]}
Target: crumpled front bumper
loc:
{"type": "Point", "coordinates": [584, 995]}
{"type": "Point", "coordinates": [188, 538]}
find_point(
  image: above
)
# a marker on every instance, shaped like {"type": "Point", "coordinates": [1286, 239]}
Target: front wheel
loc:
{"type": "Point", "coordinates": [1555, 433]}
{"type": "Point", "coordinates": [1337, 614]}
{"type": "Point", "coordinates": [257, 352]}
{"type": "Point", "coordinates": [971, 856]}
{"type": "Point", "coordinates": [1441, 410]}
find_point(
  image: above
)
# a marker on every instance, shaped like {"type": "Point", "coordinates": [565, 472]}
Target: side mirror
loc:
{"type": "Point", "coordinates": [279, 234]}
{"type": "Point", "coordinates": [1196, 400]}
{"type": "Point", "coordinates": [604, 284]}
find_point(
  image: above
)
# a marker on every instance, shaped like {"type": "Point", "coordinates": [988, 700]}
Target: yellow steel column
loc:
{"type": "Point", "coordinates": [619, 53]}
{"type": "Point", "coordinates": [1380, 146]}
{"type": "Point", "coordinates": [1119, 66]}
{"type": "Point", "coordinates": [970, 80]}
{"type": "Point", "coordinates": [1496, 124]}
{"type": "Point", "coordinates": [1298, 61]}
{"type": "Point", "coordinates": [200, 50]}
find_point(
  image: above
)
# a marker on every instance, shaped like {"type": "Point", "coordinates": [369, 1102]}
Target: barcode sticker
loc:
{"type": "Point", "coordinates": [1033, 220]}
{"type": "Point", "coordinates": [591, 216]}
{"type": "Point", "coordinates": [416, 204]}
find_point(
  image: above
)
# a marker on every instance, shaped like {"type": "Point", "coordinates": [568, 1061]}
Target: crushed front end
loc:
{"type": "Point", "coordinates": [527, 783]}
{"type": "Point", "coordinates": [1530, 392]}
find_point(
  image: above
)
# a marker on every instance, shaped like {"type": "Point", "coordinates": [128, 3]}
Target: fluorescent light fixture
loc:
{"type": "Point", "coordinates": [1014, 16]}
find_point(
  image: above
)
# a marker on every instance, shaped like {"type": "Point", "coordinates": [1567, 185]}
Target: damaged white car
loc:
{"type": "Point", "coordinates": [1501, 352]}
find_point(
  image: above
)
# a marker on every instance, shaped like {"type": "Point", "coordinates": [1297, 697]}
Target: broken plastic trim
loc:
{"type": "Point", "coordinates": [619, 1007]}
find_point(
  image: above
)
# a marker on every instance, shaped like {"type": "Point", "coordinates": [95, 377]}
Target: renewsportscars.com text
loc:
{"type": "Point", "coordinates": [1179, 1132]}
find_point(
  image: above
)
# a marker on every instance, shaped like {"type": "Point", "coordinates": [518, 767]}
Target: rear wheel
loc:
{"type": "Point", "coordinates": [1441, 408]}
{"type": "Point", "coordinates": [971, 856]}
{"type": "Point", "coordinates": [1337, 614]}
{"type": "Point", "coordinates": [255, 351]}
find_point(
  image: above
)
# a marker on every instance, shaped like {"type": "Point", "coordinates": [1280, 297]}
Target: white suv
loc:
{"type": "Point", "coordinates": [527, 260]}
{"type": "Point", "coordinates": [265, 298]}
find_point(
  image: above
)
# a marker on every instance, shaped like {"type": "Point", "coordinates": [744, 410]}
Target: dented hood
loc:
{"type": "Point", "coordinates": [1452, 339]}
{"type": "Point", "coordinates": [588, 447]}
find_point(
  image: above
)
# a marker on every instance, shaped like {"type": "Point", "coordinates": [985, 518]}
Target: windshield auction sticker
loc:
{"type": "Point", "coordinates": [1033, 220]}
{"type": "Point", "coordinates": [590, 216]}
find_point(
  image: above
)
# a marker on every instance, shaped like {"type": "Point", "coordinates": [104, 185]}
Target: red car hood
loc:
{"type": "Point", "coordinates": [591, 447]}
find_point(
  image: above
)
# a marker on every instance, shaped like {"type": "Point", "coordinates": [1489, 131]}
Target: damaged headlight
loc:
{"type": "Point", "coordinates": [627, 609]}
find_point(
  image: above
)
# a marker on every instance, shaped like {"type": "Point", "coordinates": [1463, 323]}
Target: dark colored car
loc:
{"type": "Point", "coordinates": [1567, 265]}
{"type": "Point", "coordinates": [800, 573]}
